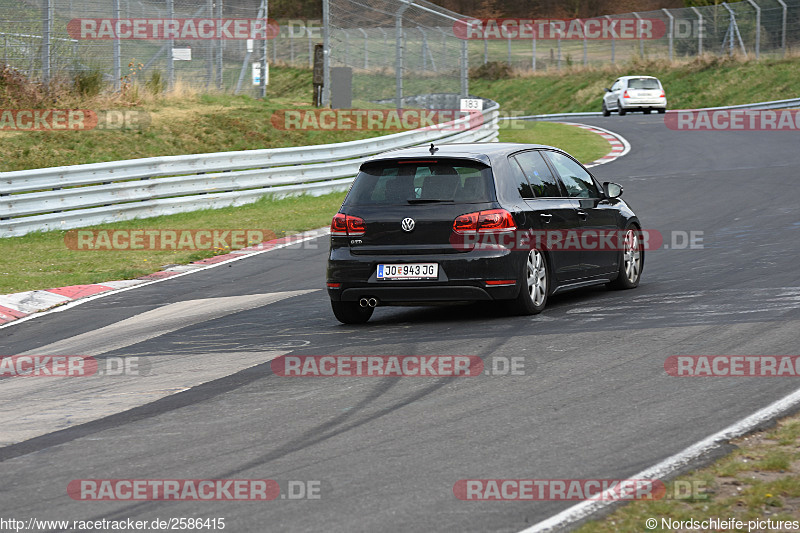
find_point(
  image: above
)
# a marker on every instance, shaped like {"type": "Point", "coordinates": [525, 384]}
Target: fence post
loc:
{"type": "Point", "coordinates": [398, 54]}
{"type": "Point", "coordinates": [485, 49]}
{"type": "Point", "coordinates": [585, 51]}
{"type": "Point", "coordinates": [533, 52]}
{"type": "Point", "coordinates": [613, 44]}
{"type": "Point", "coordinates": [171, 46]}
{"type": "Point", "coordinates": [464, 70]}
{"type": "Point", "coordinates": [366, 48]}
{"type": "Point", "coordinates": [783, 31]}
{"type": "Point", "coordinates": [424, 48]}
{"type": "Point", "coordinates": [219, 43]}
{"type": "Point", "coordinates": [326, 53]}
{"type": "Point", "coordinates": [758, 28]}
{"type": "Point", "coordinates": [671, 32]}
{"type": "Point", "coordinates": [699, 31]}
{"type": "Point", "coordinates": [262, 86]}
{"type": "Point", "coordinates": [346, 47]}
{"type": "Point", "coordinates": [47, 26]}
{"type": "Point", "coordinates": [385, 47]}
{"type": "Point", "coordinates": [639, 33]}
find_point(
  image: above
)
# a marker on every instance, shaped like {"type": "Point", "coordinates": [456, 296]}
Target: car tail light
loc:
{"type": "Point", "coordinates": [466, 223]}
{"type": "Point", "coordinates": [499, 282]}
{"type": "Point", "coordinates": [356, 226]}
{"type": "Point", "coordinates": [663, 95]}
{"type": "Point", "coordinates": [346, 225]}
{"type": "Point", "coordinates": [493, 220]}
{"type": "Point", "coordinates": [626, 95]}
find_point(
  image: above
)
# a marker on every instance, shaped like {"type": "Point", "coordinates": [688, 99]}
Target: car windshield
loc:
{"type": "Point", "coordinates": [430, 181]}
{"type": "Point", "coordinates": [643, 83]}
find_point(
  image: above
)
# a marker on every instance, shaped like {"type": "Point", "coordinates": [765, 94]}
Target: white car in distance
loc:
{"type": "Point", "coordinates": [635, 93]}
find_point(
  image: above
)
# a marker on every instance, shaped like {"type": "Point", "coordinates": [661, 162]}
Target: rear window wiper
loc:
{"type": "Point", "coordinates": [426, 201]}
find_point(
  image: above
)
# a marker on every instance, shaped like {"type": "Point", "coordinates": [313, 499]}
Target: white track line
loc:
{"type": "Point", "coordinates": [671, 464]}
{"type": "Point", "coordinates": [313, 234]}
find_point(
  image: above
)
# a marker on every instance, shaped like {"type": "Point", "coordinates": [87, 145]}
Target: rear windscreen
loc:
{"type": "Point", "coordinates": [643, 83]}
{"type": "Point", "coordinates": [409, 182]}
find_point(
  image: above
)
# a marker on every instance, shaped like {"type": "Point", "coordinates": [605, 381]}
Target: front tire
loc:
{"type": "Point", "coordinates": [351, 312]}
{"type": "Point", "coordinates": [535, 281]}
{"type": "Point", "coordinates": [630, 266]}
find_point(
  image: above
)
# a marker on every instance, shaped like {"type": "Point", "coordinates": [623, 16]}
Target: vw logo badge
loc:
{"type": "Point", "coordinates": [407, 224]}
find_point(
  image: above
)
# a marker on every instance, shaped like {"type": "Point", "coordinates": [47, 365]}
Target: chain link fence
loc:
{"type": "Point", "coordinates": [45, 39]}
{"type": "Point", "coordinates": [395, 48]}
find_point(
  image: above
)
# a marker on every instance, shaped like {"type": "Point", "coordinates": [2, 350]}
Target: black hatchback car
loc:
{"type": "Point", "coordinates": [481, 221]}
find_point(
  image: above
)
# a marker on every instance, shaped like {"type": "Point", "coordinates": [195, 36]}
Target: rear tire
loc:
{"type": "Point", "coordinates": [351, 312]}
{"type": "Point", "coordinates": [535, 285]}
{"type": "Point", "coordinates": [621, 109]}
{"type": "Point", "coordinates": [631, 262]}
{"type": "Point", "coordinates": [662, 111]}
{"type": "Point", "coordinates": [606, 112]}
{"type": "Point", "coordinates": [647, 111]}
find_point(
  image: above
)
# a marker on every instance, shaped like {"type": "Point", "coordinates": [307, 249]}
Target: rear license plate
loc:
{"type": "Point", "coordinates": [409, 271]}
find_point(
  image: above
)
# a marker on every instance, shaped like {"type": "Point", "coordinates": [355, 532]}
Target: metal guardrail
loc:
{"type": "Point", "coordinates": [776, 104]}
{"type": "Point", "coordinates": [84, 195]}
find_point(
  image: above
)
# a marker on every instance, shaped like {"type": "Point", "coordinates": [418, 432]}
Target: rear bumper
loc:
{"type": "Point", "coordinates": [657, 103]}
{"type": "Point", "coordinates": [462, 277]}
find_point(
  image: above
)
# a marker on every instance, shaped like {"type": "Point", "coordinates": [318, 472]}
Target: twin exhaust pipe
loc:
{"type": "Point", "coordinates": [368, 302]}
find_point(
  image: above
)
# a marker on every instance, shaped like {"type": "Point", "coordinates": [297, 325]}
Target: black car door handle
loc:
{"type": "Point", "coordinates": [583, 214]}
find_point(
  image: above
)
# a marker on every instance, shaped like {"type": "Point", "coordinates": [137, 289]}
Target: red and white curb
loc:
{"type": "Point", "coordinates": [619, 145]}
{"type": "Point", "coordinates": [23, 305]}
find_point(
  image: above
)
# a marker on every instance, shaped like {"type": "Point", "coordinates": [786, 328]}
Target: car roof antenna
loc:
{"type": "Point", "coordinates": [433, 149]}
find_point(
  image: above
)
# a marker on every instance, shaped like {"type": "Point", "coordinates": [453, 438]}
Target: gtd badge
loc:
{"type": "Point", "coordinates": [407, 224]}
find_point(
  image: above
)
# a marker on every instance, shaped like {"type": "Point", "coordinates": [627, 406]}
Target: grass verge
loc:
{"type": "Point", "coordinates": [707, 81]}
{"type": "Point", "coordinates": [757, 481]}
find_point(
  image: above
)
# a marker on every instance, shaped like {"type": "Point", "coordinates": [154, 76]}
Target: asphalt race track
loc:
{"type": "Point", "coordinates": [594, 402]}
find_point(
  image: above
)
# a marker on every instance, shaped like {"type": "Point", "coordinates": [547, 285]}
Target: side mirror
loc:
{"type": "Point", "coordinates": [613, 190]}
{"type": "Point", "coordinates": [607, 90]}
